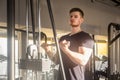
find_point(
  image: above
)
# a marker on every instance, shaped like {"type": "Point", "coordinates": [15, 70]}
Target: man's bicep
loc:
{"type": "Point", "coordinates": [84, 50]}
{"type": "Point", "coordinates": [86, 53]}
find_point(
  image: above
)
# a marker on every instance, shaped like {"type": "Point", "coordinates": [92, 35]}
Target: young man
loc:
{"type": "Point", "coordinates": [76, 48]}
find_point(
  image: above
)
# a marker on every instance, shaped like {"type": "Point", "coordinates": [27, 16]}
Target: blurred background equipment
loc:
{"type": "Point", "coordinates": [114, 51]}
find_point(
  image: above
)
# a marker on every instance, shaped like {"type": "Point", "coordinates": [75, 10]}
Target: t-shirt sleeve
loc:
{"type": "Point", "coordinates": [88, 42]}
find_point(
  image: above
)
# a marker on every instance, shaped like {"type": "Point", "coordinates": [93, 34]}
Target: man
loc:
{"type": "Point", "coordinates": [76, 48]}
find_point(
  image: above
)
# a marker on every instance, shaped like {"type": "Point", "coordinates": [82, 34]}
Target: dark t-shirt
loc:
{"type": "Point", "coordinates": [74, 71]}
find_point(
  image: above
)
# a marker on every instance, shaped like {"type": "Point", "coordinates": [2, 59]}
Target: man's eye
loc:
{"type": "Point", "coordinates": [71, 16]}
{"type": "Point", "coordinates": [76, 16]}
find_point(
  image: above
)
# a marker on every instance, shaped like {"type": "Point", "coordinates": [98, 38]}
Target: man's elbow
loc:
{"type": "Point", "coordinates": [83, 63]}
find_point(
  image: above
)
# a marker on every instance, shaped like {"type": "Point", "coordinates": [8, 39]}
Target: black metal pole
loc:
{"type": "Point", "coordinates": [55, 37]}
{"type": "Point", "coordinates": [33, 20]}
{"type": "Point", "coordinates": [10, 39]}
{"type": "Point", "coordinates": [93, 60]}
{"type": "Point", "coordinates": [109, 38]}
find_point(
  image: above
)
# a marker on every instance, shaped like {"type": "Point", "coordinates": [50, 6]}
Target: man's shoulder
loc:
{"type": "Point", "coordinates": [64, 37]}
{"type": "Point", "coordinates": [86, 34]}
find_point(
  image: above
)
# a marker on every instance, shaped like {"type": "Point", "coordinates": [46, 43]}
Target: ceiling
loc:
{"type": "Point", "coordinates": [58, 12]}
{"type": "Point", "coordinates": [113, 3]}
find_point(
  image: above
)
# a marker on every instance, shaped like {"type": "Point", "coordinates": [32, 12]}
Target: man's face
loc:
{"type": "Point", "coordinates": [75, 19]}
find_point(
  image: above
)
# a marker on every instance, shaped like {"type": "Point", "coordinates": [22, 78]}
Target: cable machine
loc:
{"type": "Point", "coordinates": [32, 66]}
{"type": "Point", "coordinates": [32, 63]}
{"type": "Point", "coordinates": [113, 51]}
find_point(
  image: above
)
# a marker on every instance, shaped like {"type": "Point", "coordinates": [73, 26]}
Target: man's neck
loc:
{"type": "Point", "coordinates": [75, 30]}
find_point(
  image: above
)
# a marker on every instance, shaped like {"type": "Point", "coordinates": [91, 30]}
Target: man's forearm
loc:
{"type": "Point", "coordinates": [53, 57]}
{"type": "Point", "coordinates": [79, 58]}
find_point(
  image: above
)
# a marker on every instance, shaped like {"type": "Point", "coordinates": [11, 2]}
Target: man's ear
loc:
{"type": "Point", "coordinates": [82, 20]}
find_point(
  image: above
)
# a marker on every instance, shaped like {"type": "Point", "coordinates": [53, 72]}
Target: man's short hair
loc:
{"type": "Point", "coordinates": [77, 9]}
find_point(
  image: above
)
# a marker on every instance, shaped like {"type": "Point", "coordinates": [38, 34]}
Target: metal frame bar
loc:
{"type": "Point", "coordinates": [10, 39]}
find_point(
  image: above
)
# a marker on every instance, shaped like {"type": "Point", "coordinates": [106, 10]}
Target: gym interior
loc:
{"type": "Point", "coordinates": [26, 24]}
